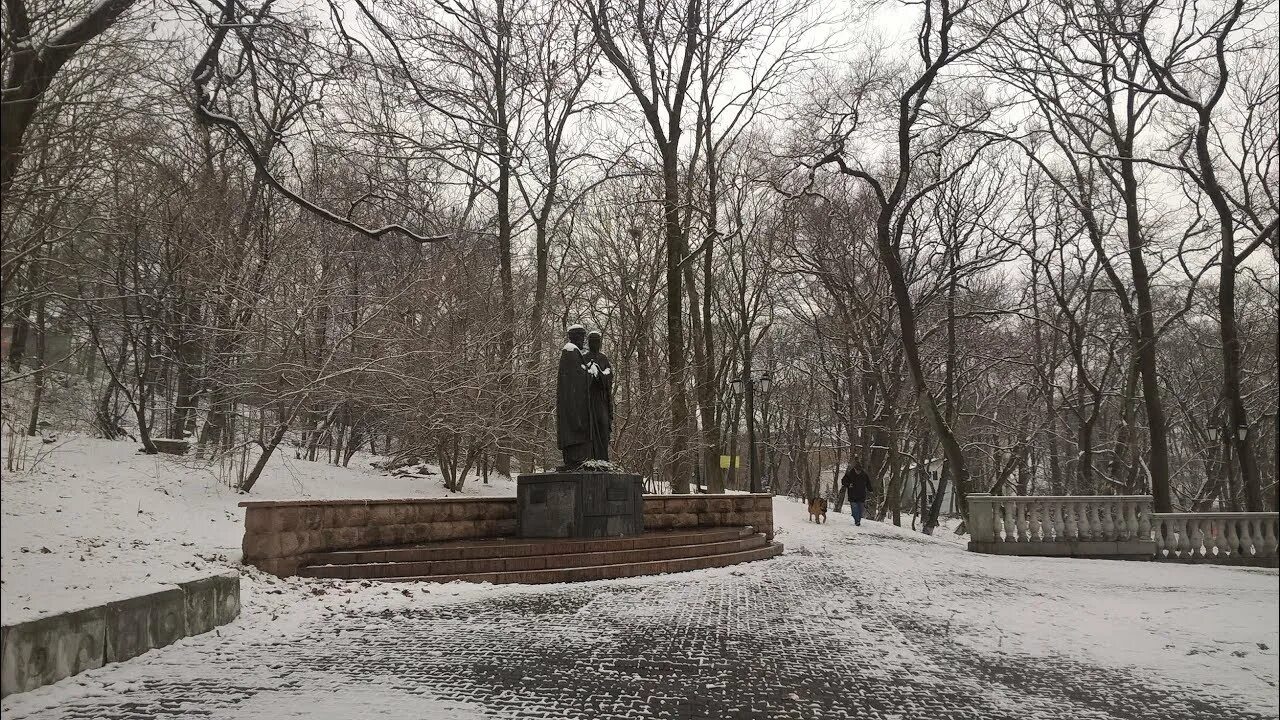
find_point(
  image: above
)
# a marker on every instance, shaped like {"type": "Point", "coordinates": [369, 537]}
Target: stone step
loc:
{"type": "Point", "coordinates": [546, 561]}
{"type": "Point", "coordinates": [606, 572]}
{"type": "Point", "coordinates": [519, 547]}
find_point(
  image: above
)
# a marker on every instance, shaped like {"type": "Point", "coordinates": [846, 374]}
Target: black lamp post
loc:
{"type": "Point", "coordinates": [750, 383]}
{"type": "Point", "coordinates": [1220, 432]}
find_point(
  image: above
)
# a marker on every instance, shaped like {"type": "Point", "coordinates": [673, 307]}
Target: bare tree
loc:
{"type": "Point", "coordinates": [924, 131]}
{"type": "Point", "coordinates": [35, 49]}
{"type": "Point", "coordinates": [1193, 67]}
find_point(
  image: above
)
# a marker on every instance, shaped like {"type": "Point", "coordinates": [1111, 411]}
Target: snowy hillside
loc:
{"type": "Point", "coordinates": [95, 520]}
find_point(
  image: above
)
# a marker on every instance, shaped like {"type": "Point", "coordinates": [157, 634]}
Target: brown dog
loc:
{"type": "Point", "coordinates": [818, 509]}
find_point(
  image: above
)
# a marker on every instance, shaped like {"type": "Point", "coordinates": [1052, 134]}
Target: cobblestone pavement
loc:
{"type": "Point", "coordinates": [795, 637]}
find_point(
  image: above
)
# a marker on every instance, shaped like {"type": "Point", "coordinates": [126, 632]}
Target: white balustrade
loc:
{"type": "Point", "coordinates": [1216, 536]}
{"type": "Point", "coordinates": [1011, 524]}
{"type": "Point", "coordinates": [1058, 518]}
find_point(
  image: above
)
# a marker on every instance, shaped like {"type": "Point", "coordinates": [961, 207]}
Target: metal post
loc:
{"type": "Point", "coordinates": [1233, 495]}
{"type": "Point", "coordinates": [750, 388]}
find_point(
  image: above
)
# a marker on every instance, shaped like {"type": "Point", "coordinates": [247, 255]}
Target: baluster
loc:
{"type": "Point", "coordinates": [1070, 528]}
{"type": "Point", "coordinates": [1020, 519]}
{"type": "Point", "coordinates": [1184, 539]}
{"type": "Point", "coordinates": [1093, 520]}
{"type": "Point", "coordinates": [1243, 546]}
{"type": "Point", "coordinates": [1222, 535]}
{"type": "Point", "coordinates": [1158, 535]}
{"type": "Point", "coordinates": [1131, 521]}
{"type": "Point", "coordinates": [1006, 521]}
{"type": "Point", "coordinates": [1035, 512]}
{"type": "Point", "coordinates": [1144, 519]}
{"type": "Point", "coordinates": [1108, 523]}
{"type": "Point", "coordinates": [1201, 543]}
{"type": "Point", "coordinates": [1055, 520]}
{"type": "Point", "coordinates": [1271, 537]}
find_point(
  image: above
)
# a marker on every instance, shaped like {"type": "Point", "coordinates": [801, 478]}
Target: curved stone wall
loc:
{"type": "Point", "coordinates": [280, 535]}
{"type": "Point", "coordinates": [673, 512]}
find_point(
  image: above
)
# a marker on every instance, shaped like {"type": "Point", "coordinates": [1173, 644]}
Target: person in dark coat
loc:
{"type": "Point", "coordinates": [573, 414]}
{"type": "Point", "coordinates": [600, 394]}
{"type": "Point", "coordinates": [857, 485]}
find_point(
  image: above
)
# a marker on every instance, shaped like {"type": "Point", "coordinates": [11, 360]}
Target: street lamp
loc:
{"type": "Point", "coordinates": [749, 383]}
{"type": "Point", "coordinates": [1220, 432]}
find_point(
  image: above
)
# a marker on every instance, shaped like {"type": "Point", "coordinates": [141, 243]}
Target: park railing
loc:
{"type": "Point", "coordinates": [1217, 537]}
{"type": "Point", "coordinates": [1067, 525]}
{"type": "Point", "coordinates": [1117, 526]}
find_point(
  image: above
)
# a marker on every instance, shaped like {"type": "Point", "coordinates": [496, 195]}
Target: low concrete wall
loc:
{"type": "Point", "coordinates": [280, 535]}
{"type": "Point", "coordinates": [43, 651]}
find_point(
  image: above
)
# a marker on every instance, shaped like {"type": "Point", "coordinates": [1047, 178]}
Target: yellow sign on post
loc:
{"type": "Point", "coordinates": [724, 461]}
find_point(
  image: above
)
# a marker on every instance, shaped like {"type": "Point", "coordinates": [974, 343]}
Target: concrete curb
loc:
{"type": "Point", "coordinates": [44, 651]}
{"type": "Point", "coordinates": [1091, 549]}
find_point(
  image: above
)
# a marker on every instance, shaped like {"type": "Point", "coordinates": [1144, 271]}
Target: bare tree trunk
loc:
{"type": "Point", "coordinates": [1157, 424]}
{"type": "Point", "coordinates": [949, 387]}
{"type": "Point", "coordinates": [38, 379]}
{"type": "Point", "coordinates": [21, 323]}
{"type": "Point", "coordinates": [247, 483]}
{"type": "Point", "coordinates": [32, 69]}
{"type": "Point", "coordinates": [186, 367]}
{"type": "Point", "coordinates": [677, 367]}
{"type": "Point", "coordinates": [104, 417]}
{"type": "Point", "coordinates": [1203, 97]}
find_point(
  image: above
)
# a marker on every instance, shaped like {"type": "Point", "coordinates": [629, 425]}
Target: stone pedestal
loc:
{"type": "Point", "coordinates": [579, 505]}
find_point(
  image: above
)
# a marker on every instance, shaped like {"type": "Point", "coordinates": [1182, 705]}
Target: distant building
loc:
{"type": "Point", "coordinates": [932, 475]}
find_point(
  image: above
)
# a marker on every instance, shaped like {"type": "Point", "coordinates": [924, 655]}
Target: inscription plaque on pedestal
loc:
{"type": "Point", "coordinates": [579, 505]}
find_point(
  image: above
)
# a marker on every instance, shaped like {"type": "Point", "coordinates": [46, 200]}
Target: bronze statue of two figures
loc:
{"type": "Point", "coordinates": [588, 497]}
{"type": "Point", "coordinates": [584, 399]}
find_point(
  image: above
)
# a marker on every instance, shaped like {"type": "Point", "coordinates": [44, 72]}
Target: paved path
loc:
{"type": "Point", "coordinates": [800, 636]}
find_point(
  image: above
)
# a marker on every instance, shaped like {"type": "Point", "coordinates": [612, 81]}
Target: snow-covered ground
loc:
{"type": "Point", "coordinates": [95, 520]}
{"type": "Point", "coordinates": [114, 522]}
{"type": "Point", "coordinates": [1197, 625]}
